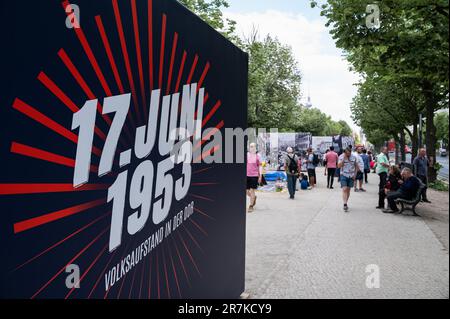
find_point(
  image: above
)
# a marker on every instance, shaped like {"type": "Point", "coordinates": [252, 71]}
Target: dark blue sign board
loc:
{"type": "Point", "coordinates": [92, 203]}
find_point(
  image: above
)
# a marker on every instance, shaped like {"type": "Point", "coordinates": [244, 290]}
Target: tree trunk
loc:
{"type": "Point", "coordinates": [415, 143]}
{"type": "Point", "coordinates": [430, 136]}
{"type": "Point", "coordinates": [402, 146]}
{"type": "Point", "coordinates": [396, 153]}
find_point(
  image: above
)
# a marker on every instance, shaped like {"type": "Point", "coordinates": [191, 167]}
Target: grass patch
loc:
{"type": "Point", "coordinates": [439, 186]}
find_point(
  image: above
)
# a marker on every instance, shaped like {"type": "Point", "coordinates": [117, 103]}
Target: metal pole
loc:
{"type": "Point", "coordinates": [420, 131]}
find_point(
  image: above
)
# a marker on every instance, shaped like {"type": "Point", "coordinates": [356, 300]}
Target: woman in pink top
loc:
{"type": "Point", "coordinates": [254, 176]}
{"type": "Point", "coordinates": [331, 158]}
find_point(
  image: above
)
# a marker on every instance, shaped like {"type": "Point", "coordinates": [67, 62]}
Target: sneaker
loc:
{"type": "Point", "coordinates": [389, 211]}
{"type": "Point", "coordinates": [379, 207]}
{"type": "Point", "coordinates": [331, 187]}
{"type": "Point", "coordinates": [362, 190]}
{"type": "Point", "coordinates": [345, 208]}
{"type": "Point", "coordinates": [250, 209]}
{"type": "Point", "coordinates": [356, 190]}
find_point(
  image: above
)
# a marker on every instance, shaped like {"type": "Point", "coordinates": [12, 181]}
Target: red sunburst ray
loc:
{"type": "Point", "coordinates": [161, 54]}
{"type": "Point", "coordinates": [36, 153]}
{"type": "Point", "coordinates": [34, 114]}
{"type": "Point", "coordinates": [174, 272]}
{"type": "Point", "coordinates": [150, 42]}
{"type": "Point", "coordinates": [207, 154]}
{"type": "Point", "coordinates": [165, 273]}
{"type": "Point", "coordinates": [189, 253]}
{"type": "Point", "coordinates": [180, 72]}
{"type": "Point", "coordinates": [199, 227]}
{"type": "Point", "coordinates": [107, 45]}
{"type": "Point", "coordinates": [102, 251]}
{"type": "Point", "coordinates": [61, 241]}
{"type": "Point", "coordinates": [181, 261]}
{"type": "Point", "coordinates": [101, 274]}
{"type": "Point", "coordinates": [193, 238]}
{"type": "Point", "coordinates": [203, 213]}
{"type": "Point", "coordinates": [132, 283]}
{"type": "Point", "coordinates": [112, 62]}
{"type": "Point", "coordinates": [139, 54]}
{"type": "Point", "coordinates": [204, 184]}
{"type": "Point", "coordinates": [203, 76]}
{"type": "Point", "coordinates": [150, 279]}
{"type": "Point", "coordinates": [26, 189]}
{"type": "Point", "coordinates": [126, 58]}
{"type": "Point", "coordinates": [211, 113]}
{"type": "Point", "coordinates": [157, 275]}
{"type": "Point", "coordinates": [202, 170]}
{"type": "Point", "coordinates": [90, 54]}
{"type": "Point", "coordinates": [201, 197]}
{"type": "Point", "coordinates": [191, 73]}
{"type": "Point", "coordinates": [82, 83]}
{"type": "Point", "coordinates": [54, 216]}
{"type": "Point", "coordinates": [142, 277]}
{"type": "Point", "coordinates": [52, 87]}
{"type": "Point", "coordinates": [209, 135]}
{"type": "Point", "coordinates": [172, 61]}
{"type": "Point", "coordinates": [82, 251]}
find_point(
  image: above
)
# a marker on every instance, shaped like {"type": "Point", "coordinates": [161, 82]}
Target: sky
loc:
{"type": "Point", "coordinates": [326, 75]}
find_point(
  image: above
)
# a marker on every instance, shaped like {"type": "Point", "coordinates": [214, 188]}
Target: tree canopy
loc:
{"type": "Point", "coordinates": [274, 78]}
{"type": "Point", "coordinates": [404, 64]}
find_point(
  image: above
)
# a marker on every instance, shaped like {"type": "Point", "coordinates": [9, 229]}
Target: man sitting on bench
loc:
{"type": "Point", "coordinates": [408, 190]}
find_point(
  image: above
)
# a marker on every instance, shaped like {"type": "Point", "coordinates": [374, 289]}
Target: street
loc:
{"type": "Point", "coordinates": [310, 248]}
{"type": "Point", "coordinates": [443, 173]}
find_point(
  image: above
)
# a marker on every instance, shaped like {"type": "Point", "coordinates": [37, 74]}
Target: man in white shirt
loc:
{"type": "Point", "coordinates": [349, 166]}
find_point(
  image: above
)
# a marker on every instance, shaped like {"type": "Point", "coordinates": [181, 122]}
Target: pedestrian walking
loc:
{"type": "Point", "coordinates": [254, 175]}
{"type": "Point", "coordinates": [360, 174]}
{"type": "Point", "coordinates": [348, 165]}
{"type": "Point", "coordinates": [382, 169]}
{"type": "Point", "coordinates": [312, 161]}
{"type": "Point", "coordinates": [292, 168]}
{"type": "Point", "coordinates": [331, 159]}
{"type": "Point", "coordinates": [421, 165]}
{"type": "Point", "coordinates": [366, 160]}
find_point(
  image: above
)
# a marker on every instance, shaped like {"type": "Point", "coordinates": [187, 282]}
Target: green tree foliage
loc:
{"type": "Point", "coordinates": [320, 124]}
{"type": "Point", "coordinates": [211, 12]}
{"type": "Point", "coordinates": [274, 79]}
{"type": "Point", "coordinates": [441, 122]}
{"type": "Point", "coordinates": [274, 84]}
{"type": "Point", "coordinates": [411, 46]}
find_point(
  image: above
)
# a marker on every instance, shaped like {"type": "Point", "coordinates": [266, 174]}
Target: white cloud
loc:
{"type": "Point", "coordinates": [325, 71]}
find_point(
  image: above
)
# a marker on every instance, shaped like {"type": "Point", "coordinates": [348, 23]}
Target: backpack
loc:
{"type": "Point", "coordinates": [293, 166]}
{"type": "Point", "coordinates": [316, 160]}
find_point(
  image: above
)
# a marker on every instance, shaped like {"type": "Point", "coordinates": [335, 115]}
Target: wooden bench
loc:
{"type": "Point", "coordinates": [411, 204]}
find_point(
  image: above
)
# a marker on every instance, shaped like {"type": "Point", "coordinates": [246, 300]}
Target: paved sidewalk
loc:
{"type": "Point", "coordinates": [310, 248]}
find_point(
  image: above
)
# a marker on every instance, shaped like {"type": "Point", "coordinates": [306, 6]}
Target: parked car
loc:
{"type": "Point", "coordinates": [443, 152]}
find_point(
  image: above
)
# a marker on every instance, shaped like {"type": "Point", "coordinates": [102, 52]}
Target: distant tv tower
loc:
{"type": "Point", "coordinates": [308, 104]}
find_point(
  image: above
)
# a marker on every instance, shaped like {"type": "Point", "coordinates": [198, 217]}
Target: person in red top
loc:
{"type": "Point", "coordinates": [254, 176]}
{"type": "Point", "coordinates": [331, 159]}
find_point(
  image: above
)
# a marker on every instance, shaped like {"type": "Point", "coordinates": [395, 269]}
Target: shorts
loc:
{"type": "Point", "coordinates": [346, 182]}
{"type": "Point", "coordinates": [252, 182]}
{"type": "Point", "coordinates": [312, 172]}
{"type": "Point", "coordinates": [359, 176]}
